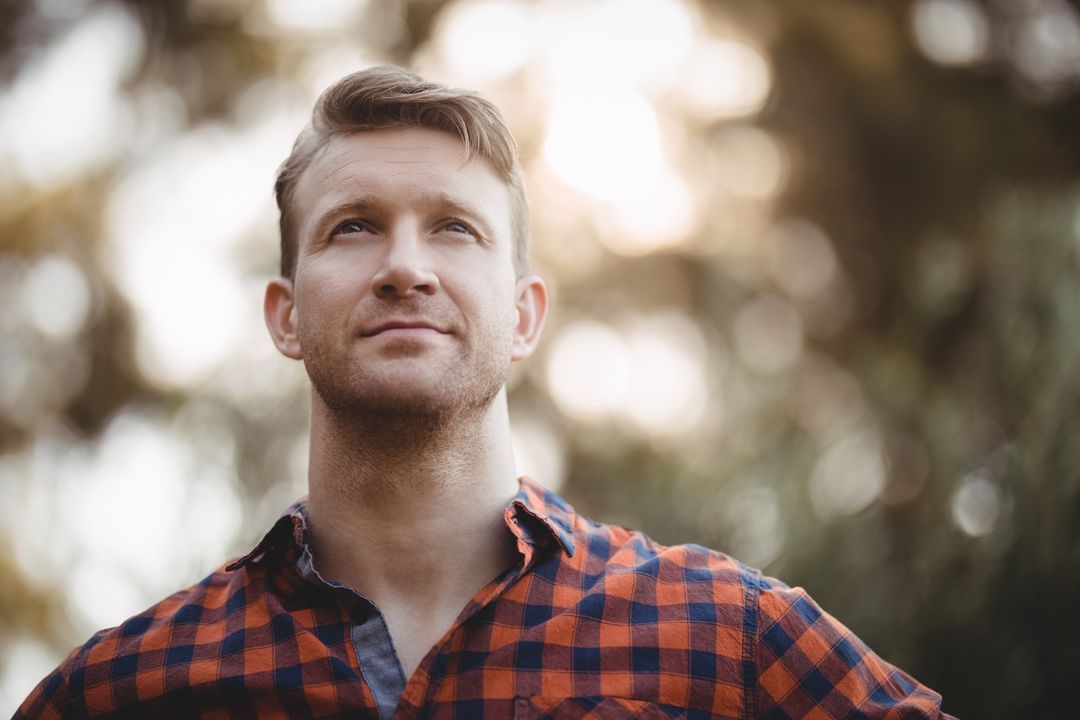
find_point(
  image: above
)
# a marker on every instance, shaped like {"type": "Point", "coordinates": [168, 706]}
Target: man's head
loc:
{"type": "Point", "coordinates": [389, 97]}
{"type": "Point", "coordinates": [403, 237]}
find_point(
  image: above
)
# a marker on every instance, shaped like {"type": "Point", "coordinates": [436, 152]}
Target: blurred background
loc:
{"type": "Point", "coordinates": [815, 268]}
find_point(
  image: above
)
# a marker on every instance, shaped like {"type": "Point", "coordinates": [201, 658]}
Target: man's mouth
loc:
{"type": "Point", "coordinates": [404, 328]}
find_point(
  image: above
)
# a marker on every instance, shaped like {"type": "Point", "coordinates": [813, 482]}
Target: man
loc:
{"type": "Point", "coordinates": [422, 577]}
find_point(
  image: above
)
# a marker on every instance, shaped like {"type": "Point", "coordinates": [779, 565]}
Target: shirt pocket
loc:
{"type": "Point", "coordinates": [540, 707]}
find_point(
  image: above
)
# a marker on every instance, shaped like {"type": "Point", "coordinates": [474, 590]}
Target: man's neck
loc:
{"type": "Point", "coordinates": [410, 511]}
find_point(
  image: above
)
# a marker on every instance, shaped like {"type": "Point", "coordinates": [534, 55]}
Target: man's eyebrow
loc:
{"type": "Point", "coordinates": [352, 205]}
{"type": "Point", "coordinates": [323, 217]}
{"type": "Point", "coordinates": [459, 206]}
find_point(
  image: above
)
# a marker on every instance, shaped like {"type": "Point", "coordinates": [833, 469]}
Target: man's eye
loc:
{"type": "Point", "coordinates": [351, 226]}
{"type": "Point", "coordinates": [458, 227]}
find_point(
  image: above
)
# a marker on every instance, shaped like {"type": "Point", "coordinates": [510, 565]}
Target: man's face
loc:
{"type": "Point", "coordinates": [405, 298]}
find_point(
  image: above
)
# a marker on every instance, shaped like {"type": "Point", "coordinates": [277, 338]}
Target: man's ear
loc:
{"type": "Point", "coordinates": [279, 311]}
{"type": "Point", "coordinates": [531, 304]}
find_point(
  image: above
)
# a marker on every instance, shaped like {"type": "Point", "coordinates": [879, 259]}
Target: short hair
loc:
{"type": "Point", "coordinates": [390, 97]}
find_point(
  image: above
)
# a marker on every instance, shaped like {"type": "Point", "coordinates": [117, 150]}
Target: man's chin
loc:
{"type": "Point", "coordinates": [424, 386]}
{"type": "Point", "coordinates": [428, 400]}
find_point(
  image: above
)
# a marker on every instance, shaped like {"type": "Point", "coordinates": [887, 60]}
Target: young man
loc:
{"type": "Point", "coordinates": [422, 577]}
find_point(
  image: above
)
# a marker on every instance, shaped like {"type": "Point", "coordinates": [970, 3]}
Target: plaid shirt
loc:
{"type": "Point", "coordinates": [595, 621]}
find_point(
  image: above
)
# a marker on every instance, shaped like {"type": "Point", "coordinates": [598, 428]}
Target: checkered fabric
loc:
{"type": "Point", "coordinates": [595, 621]}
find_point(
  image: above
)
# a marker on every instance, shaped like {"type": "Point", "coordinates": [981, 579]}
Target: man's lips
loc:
{"type": "Point", "coordinates": [404, 328]}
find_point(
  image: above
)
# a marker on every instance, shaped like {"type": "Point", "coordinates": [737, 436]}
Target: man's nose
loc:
{"type": "Point", "coordinates": [406, 268]}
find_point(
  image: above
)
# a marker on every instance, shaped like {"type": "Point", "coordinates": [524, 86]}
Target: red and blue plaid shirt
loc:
{"type": "Point", "coordinates": [594, 621]}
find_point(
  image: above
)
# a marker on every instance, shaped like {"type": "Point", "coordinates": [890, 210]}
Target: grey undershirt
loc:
{"type": "Point", "coordinates": [370, 638]}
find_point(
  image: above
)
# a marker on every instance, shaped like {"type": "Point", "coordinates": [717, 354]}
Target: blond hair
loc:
{"type": "Point", "coordinates": [390, 97]}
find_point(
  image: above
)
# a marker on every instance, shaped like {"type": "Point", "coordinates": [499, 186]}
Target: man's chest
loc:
{"type": "Point", "coordinates": [572, 667]}
{"type": "Point", "coordinates": [535, 650]}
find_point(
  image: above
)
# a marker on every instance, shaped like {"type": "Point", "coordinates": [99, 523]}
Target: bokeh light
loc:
{"type": "Point", "coordinates": [951, 32]}
{"type": "Point", "coordinates": [1046, 47]}
{"type": "Point", "coordinates": [726, 79]}
{"type": "Point", "coordinates": [639, 43]}
{"type": "Point", "coordinates": [977, 505]}
{"type": "Point", "coordinates": [315, 15]}
{"type": "Point", "coordinates": [658, 214]}
{"type": "Point", "coordinates": [667, 393]}
{"type": "Point", "coordinates": [81, 72]}
{"type": "Point", "coordinates": [55, 297]}
{"type": "Point", "coordinates": [750, 163]}
{"type": "Point", "coordinates": [27, 661]}
{"type": "Point", "coordinates": [849, 476]}
{"type": "Point", "coordinates": [538, 451]}
{"type": "Point", "coordinates": [588, 370]}
{"type": "Point", "coordinates": [174, 225]}
{"type": "Point", "coordinates": [485, 40]}
{"type": "Point", "coordinates": [768, 334]}
{"type": "Point", "coordinates": [759, 533]}
{"type": "Point", "coordinates": [605, 142]}
{"type": "Point", "coordinates": [652, 373]}
{"type": "Point", "coordinates": [802, 259]}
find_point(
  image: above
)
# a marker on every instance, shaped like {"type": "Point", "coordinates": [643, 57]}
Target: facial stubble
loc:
{"type": "Point", "coordinates": [451, 390]}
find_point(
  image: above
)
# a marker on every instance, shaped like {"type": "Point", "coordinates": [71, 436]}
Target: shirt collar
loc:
{"type": "Point", "coordinates": [541, 514]}
{"type": "Point", "coordinates": [554, 515]}
{"type": "Point", "coordinates": [290, 530]}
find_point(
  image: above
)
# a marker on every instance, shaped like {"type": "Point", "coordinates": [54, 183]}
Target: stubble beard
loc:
{"type": "Point", "coordinates": [380, 404]}
{"type": "Point", "coordinates": [425, 416]}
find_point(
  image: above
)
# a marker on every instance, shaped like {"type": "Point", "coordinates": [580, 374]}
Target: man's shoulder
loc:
{"type": "Point", "coordinates": [625, 550]}
{"type": "Point", "coordinates": [209, 601]}
{"type": "Point", "coordinates": [621, 549]}
{"type": "Point", "coordinates": [165, 634]}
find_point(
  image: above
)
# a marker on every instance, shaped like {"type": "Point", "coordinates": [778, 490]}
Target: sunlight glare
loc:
{"type": "Point", "coordinates": [134, 487]}
{"type": "Point", "coordinates": [588, 370]}
{"type": "Point", "coordinates": [103, 595]}
{"type": "Point", "coordinates": [667, 390]}
{"type": "Point", "coordinates": [725, 79]}
{"type": "Point", "coordinates": [173, 228]}
{"type": "Point", "coordinates": [659, 214]}
{"type": "Point", "coordinates": [65, 113]}
{"type": "Point", "coordinates": [42, 469]}
{"type": "Point", "coordinates": [642, 43]}
{"type": "Point", "coordinates": [327, 64]}
{"type": "Point", "coordinates": [315, 15]}
{"type": "Point", "coordinates": [605, 142]}
{"type": "Point", "coordinates": [175, 497]}
{"type": "Point", "coordinates": [485, 40]}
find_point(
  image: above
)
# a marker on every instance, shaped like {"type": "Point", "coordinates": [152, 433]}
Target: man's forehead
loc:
{"type": "Point", "coordinates": [393, 151]}
{"type": "Point", "coordinates": [400, 164]}
{"type": "Point", "coordinates": [388, 149]}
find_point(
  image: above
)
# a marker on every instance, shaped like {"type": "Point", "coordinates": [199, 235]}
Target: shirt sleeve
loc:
{"type": "Point", "coordinates": [810, 665]}
{"type": "Point", "coordinates": [49, 700]}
